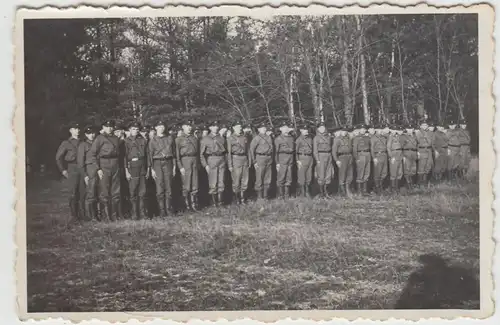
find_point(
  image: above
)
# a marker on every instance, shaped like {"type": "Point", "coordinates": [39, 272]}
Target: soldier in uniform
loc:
{"type": "Point", "coordinates": [89, 173]}
{"type": "Point", "coordinates": [261, 151]}
{"type": "Point", "coordinates": [409, 142]}
{"type": "Point", "coordinates": [454, 150]}
{"type": "Point", "coordinates": [304, 158]}
{"type": "Point", "coordinates": [105, 153]}
{"type": "Point", "coordinates": [67, 163]}
{"type": "Point", "coordinates": [284, 145]}
{"type": "Point", "coordinates": [342, 155]}
{"type": "Point", "coordinates": [238, 159]}
{"type": "Point", "coordinates": [136, 170]}
{"type": "Point", "coordinates": [395, 153]}
{"type": "Point", "coordinates": [424, 153]}
{"type": "Point", "coordinates": [162, 159]}
{"type": "Point", "coordinates": [188, 150]}
{"type": "Point", "coordinates": [145, 132]}
{"type": "Point", "coordinates": [362, 157]}
{"type": "Point", "coordinates": [322, 150]}
{"type": "Point", "coordinates": [464, 139]}
{"type": "Point", "coordinates": [378, 148]}
{"type": "Point", "coordinates": [440, 148]}
{"type": "Point", "coordinates": [214, 147]}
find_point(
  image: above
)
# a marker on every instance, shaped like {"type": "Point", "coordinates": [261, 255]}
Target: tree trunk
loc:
{"type": "Point", "coordinates": [344, 71]}
{"type": "Point", "coordinates": [403, 104]}
{"type": "Point", "coordinates": [438, 61]}
{"type": "Point", "coordinates": [366, 112]}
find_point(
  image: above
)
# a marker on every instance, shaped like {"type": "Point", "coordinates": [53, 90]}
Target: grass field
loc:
{"type": "Point", "coordinates": [342, 253]}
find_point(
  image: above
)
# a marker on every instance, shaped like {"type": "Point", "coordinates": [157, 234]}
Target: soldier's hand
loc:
{"type": "Point", "coordinates": [256, 166]}
{"type": "Point", "coordinates": [436, 153]}
{"type": "Point", "coordinates": [207, 168]}
{"type": "Point", "coordinates": [100, 173]}
{"type": "Point", "coordinates": [183, 171]}
{"type": "Point", "coordinates": [418, 155]}
{"type": "Point", "coordinates": [449, 152]}
{"type": "Point", "coordinates": [299, 164]}
{"type": "Point", "coordinates": [231, 169]}
{"type": "Point", "coordinates": [86, 180]}
{"type": "Point", "coordinates": [147, 173]}
{"type": "Point", "coordinates": [65, 173]}
{"type": "Point", "coordinates": [278, 167]}
{"type": "Point", "coordinates": [174, 170]}
{"type": "Point", "coordinates": [339, 163]}
{"type": "Point", "coordinates": [393, 160]}
{"type": "Point", "coordinates": [375, 161]}
{"type": "Point", "coordinates": [153, 174]}
{"type": "Point", "coordinates": [127, 174]}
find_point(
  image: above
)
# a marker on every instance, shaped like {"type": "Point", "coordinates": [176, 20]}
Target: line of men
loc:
{"type": "Point", "coordinates": [114, 165]}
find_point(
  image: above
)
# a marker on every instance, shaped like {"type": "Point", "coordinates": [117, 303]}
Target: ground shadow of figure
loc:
{"type": "Point", "coordinates": [438, 285]}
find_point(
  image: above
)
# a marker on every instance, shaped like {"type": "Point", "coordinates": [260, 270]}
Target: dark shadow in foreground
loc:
{"type": "Point", "coordinates": [439, 285]}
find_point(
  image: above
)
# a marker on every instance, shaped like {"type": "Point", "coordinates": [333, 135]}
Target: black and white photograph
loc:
{"type": "Point", "coordinates": [243, 163]}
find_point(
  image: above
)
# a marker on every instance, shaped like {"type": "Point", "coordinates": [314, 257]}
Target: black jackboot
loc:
{"type": "Point", "coordinates": [106, 212]}
{"type": "Point", "coordinates": [186, 202]}
{"type": "Point", "coordinates": [287, 192]}
{"type": "Point", "coordinates": [194, 202]}
{"type": "Point", "coordinates": [325, 191]}
{"type": "Point", "coordinates": [220, 199]}
{"type": "Point", "coordinates": [321, 191]}
{"type": "Point", "coordinates": [243, 198]}
{"type": "Point", "coordinates": [89, 210]}
{"type": "Point", "coordinates": [265, 193]}
{"type": "Point", "coordinates": [73, 207]}
{"type": "Point", "coordinates": [365, 189]}
{"type": "Point", "coordinates": [298, 191]}
{"type": "Point", "coordinates": [307, 192]}
{"type": "Point", "coordinates": [142, 209]}
{"type": "Point", "coordinates": [133, 213]}
{"type": "Point", "coordinates": [214, 200]}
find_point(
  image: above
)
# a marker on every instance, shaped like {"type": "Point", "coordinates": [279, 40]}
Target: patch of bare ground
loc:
{"type": "Point", "coordinates": [341, 253]}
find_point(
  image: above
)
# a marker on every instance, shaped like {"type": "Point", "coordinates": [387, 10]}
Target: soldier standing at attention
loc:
{"type": "Point", "coordinates": [464, 139]}
{"type": "Point", "coordinates": [67, 163]}
{"type": "Point", "coordinates": [362, 157]}
{"type": "Point", "coordinates": [304, 153]}
{"type": "Point", "coordinates": [105, 155]}
{"type": "Point", "coordinates": [145, 132]}
{"type": "Point", "coordinates": [322, 149]}
{"type": "Point", "coordinates": [214, 147]}
{"type": "Point", "coordinates": [89, 174]}
{"type": "Point", "coordinates": [424, 153]}
{"type": "Point", "coordinates": [440, 146]}
{"type": "Point", "coordinates": [136, 170]}
{"type": "Point", "coordinates": [261, 151]}
{"type": "Point", "coordinates": [238, 159]}
{"type": "Point", "coordinates": [187, 146]}
{"type": "Point", "coordinates": [161, 151]}
{"type": "Point", "coordinates": [342, 155]}
{"type": "Point", "coordinates": [454, 150]}
{"type": "Point", "coordinates": [409, 142]}
{"type": "Point", "coordinates": [378, 148]}
{"type": "Point", "coordinates": [395, 153]}
{"type": "Point", "coordinates": [284, 145]}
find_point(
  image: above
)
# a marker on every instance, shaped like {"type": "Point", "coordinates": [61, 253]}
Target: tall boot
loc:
{"type": "Point", "coordinates": [260, 194]}
{"type": "Point", "coordinates": [287, 192]}
{"type": "Point", "coordinates": [114, 210]}
{"type": "Point", "coordinates": [265, 193]}
{"type": "Point", "coordinates": [298, 191]}
{"type": "Point", "coordinates": [279, 192]}
{"type": "Point", "coordinates": [396, 185]}
{"type": "Point", "coordinates": [358, 187]}
{"type": "Point", "coordinates": [220, 199]}
{"type": "Point", "coordinates": [321, 191]}
{"type": "Point", "coordinates": [307, 192]}
{"type": "Point", "coordinates": [348, 191]}
{"type": "Point", "coordinates": [168, 205]}
{"type": "Point", "coordinates": [342, 189]}
{"type": "Point", "coordinates": [73, 207]}
{"type": "Point", "coordinates": [325, 190]}
{"type": "Point", "coordinates": [365, 188]}
{"type": "Point", "coordinates": [106, 211]}
{"type": "Point", "coordinates": [377, 186]}
{"type": "Point", "coordinates": [187, 203]}
{"type": "Point", "coordinates": [214, 200]}
{"type": "Point", "coordinates": [408, 182]}
{"type": "Point", "coordinates": [89, 211]}
{"type": "Point", "coordinates": [194, 202]}
{"type": "Point", "coordinates": [243, 197]}
{"type": "Point", "coordinates": [142, 209]}
{"type": "Point", "coordinates": [119, 212]}
{"type": "Point", "coordinates": [133, 213]}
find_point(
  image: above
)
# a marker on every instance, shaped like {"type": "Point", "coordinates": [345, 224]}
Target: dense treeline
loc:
{"type": "Point", "coordinates": [340, 69]}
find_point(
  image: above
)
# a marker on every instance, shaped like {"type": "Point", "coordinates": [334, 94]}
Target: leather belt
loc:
{"type": "Point", "coordinates": [217, 155]}
{"type": "Point", "coordinates": [286, 153]}
{"type": "Point", "coordinates": [188, 156]}
{"type": "Point", "coordinates": [108, 157]}
{"type": "Point", "coordinates": [305, 154]}
{"type": "Point", "coordinates": [424, 147]}
{"type": "Point", "coordinates": [239, 154]}
{"type": "Point", "coordinates": [465, 144]}
{"type": "Point", "coordinates": [345, 153]}
{"type": "Point", "coordinates": [263, 154]}
{"type": "Point", "coordinates": [324, 151]}
{"type": "Point", "coordinates": [363, 151]}
{"type": "Point", "coordinates": [163, 158]}
{"type": "Point", "coordinates": [454, 146]}
{"type": "Point", "coordinates": [380, 152]}
{"type": "Point", "coordinates": [409, 149]}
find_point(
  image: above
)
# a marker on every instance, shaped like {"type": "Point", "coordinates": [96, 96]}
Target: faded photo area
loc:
{"type": "Point", "coordinates": [231, 163]}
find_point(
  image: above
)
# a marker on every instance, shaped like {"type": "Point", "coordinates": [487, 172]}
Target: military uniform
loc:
{"type": "Point", "coordinates": [66, 160]}
{"type": "Point", "coordinates": [214, 147]}
{"type": "Point", "coordinates": [342, 153]}
{"type": "Point", "coordinates": [395, 152]}
{"type": "Point", "coordinates": [454, 150]}
{"type": "Point", "coordinates": [136, 162]}
{"type": "Point", "coordinates": [187, 151]}
{"type": "Point", "coordinates": [284, 145]}
{"type": "Point", "coordinates": [105, 155]}
{"type": "Point", "coordinates": [362, 155]}
{"type": "Point", "coordinates": [464, 140]}
{"type": "Point", "coordinates": [261, 151]}
{"type": "Point", "coordinates": [409, 142]}
{"type": "Point", "coordinates": [424, 141]}
{"type": "Point", "coordinates": [440, 146]}
{"type": "Point", "coordinates": [238, 159]}
{"type": "Point", "coordinates": [304, 158]}
{"type": "Point", "coordinates": [322, 150]}
{"type": "Point", "coordinates": [89, 170]}
{"type": "Point", "coordinates": [378, 149]}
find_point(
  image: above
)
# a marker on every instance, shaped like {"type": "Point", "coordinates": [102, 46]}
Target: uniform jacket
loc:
{"type": "Point", "coordinates": [394, 144]}
{"type": "Point", "coordinates": [83, 157]}
{"type": "Point", "coordinates": [453, 138]}
{"type": "Point", "coordinates": [136, 152]}
{"type": "Point", "coordinates": [261, 144]}
{"type": "Point", "coordinates": [186, 146]}
{"type": "Point", "coordinates": [322, 143]}
{"type": "Point", "coordinates": [237, 145]}
{"type": "Point", "coordinates": [341, 145]}
{"type": "Point", "coordinates": [104, 146]}
{"type": "Point", "coordinates": [439, 141]}
{"type": "Point", "coordinates": [360, 143]}
{"type": "Point", "coordinates": [67, 153]}
{"type": "Point", "coordinates": [284, 144]}
{"type": "Point", "coordinates": [409, 142]}
{"type": "Point", "coordinates": [378, 144]}
{"type": "Point", "coordinates": [303, 145]}
{"type": "Point", "coordinates": [212, 145]}
{"type": "Point", "coordinates": [463, 137]}
{"type": "Point", "coordinates": [424, 139]}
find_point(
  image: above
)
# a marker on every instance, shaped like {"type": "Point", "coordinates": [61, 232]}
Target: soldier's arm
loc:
{"type": "Point", "coordinates": [253, 146]}
{"type": "Point", "coordinates": [335, 146]}
{"type": "Point", "coordinates": [178, 153]}
{"type": "Point", "coordinates": [150, 152]}
{"type": "Point", "coordinates": [229, 155]}
{"type": "Point", "coordinates": [372, 146]}
{"type": "Point", "coordinates": [80, 156]}
{"type": "Point", "coordinates": [315, 148]}
{"type": "Point", "coordinates": [61, 151]}
{"type": "Point", "coordinates": [389, 146]}
{"type": "Point", "coordinates": [126, 151]}
{"type": "Point", "coordinates": [203, 148]}
{"type": "Point", "coordinates": [297, 146]}
{"type": "Point", "coordinates": [355, 147]}
{"type": "Point", "coordinates": [276, 148]}
{"type": "Point", "coordinates": [173, 150]}
{"type": "Point", "coordinates": [94, 152]}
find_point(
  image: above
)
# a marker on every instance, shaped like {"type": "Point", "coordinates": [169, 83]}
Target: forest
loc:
{"type": "Point", "coordinates": [339, 69]}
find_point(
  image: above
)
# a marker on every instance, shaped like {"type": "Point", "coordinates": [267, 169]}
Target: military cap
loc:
{"type": "Point", "coordinates": [462, 121]}
{"type": "Point", "coordinates": [89, 129]}
{"type": "Point", "coordinates": [159, 123]}
{"type": "Point", "coordinates": [237, 122]}
{"type": "Point", "coordinates": [214, 123]}
{"type": "Point", "coordinates": [145, 128]}
{"type": "Point", "coordinates": [135, 124]}
{"type": "Point", "coordinates": [74, 125]}
{"type": "Point", "coordinates": [110, 123]}
{"type": "Point", "coordinates": [320, 124]}
{"type": "Point", "coordinates": [261, 125]}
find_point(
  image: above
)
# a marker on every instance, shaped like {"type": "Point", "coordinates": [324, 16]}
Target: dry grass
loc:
{"type": "Point", "coordinates": [299, 254]}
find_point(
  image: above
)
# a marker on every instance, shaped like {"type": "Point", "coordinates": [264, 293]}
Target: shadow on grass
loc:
{"type": "Point", "coordinates": [439, 285]}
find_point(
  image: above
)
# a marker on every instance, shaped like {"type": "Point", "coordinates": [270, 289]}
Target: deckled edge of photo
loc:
{"type": "Point", "coordinates": [486, 160]}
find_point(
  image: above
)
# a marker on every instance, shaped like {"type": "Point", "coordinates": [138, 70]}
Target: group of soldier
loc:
{"type": "Point", "coordinates": [114, 168]}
